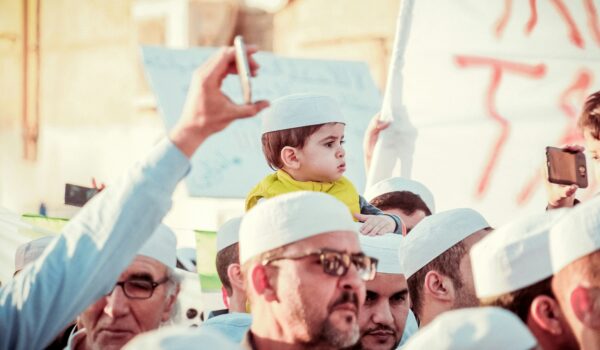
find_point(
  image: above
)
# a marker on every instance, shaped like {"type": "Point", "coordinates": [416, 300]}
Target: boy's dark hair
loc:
{"type": "Point", "coordinates": [273, 142]}
{"type": "Point", "coordinates": [225, 257]}
{"type": "Point", "coordinates": [405, 201]}
{"type": "Point", "coordinates": [590, 115]}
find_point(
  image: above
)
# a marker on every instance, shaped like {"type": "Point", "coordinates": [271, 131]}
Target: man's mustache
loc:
{"type": "Point", "coordinates": [346, 297]}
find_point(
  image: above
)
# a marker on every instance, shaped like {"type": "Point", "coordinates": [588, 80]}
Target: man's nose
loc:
{"type": "Point", "coordinates": [352, 280]}
{"type": "Point", "coordinates": [383, 314]}
{"type": "Point", "coordinates": [117, 303]}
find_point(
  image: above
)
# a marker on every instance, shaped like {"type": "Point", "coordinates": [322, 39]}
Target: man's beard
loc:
{"type": "Point", "coordinates": [330, 334]}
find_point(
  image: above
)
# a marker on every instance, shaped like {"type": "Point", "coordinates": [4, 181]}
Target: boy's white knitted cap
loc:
{"type": "Point", "coordinates": [294, 111]}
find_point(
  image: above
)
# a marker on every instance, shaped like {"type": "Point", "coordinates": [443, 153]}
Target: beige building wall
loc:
{"type": "Point", "coordinates": [338, 29]}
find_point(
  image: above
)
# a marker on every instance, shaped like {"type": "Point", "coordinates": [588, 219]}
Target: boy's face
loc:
{"type": "Point", "coordinates": [322, 158]}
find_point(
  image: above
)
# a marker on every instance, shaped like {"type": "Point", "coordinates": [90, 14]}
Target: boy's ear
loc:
{"type": "Point", "coordinates": [289, 157]}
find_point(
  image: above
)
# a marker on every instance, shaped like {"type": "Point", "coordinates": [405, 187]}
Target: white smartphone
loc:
{"type": "Point", "coordinates": [243, 68]}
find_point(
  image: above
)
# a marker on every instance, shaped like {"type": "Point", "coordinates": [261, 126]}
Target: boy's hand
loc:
{"type": "Point", "coordinates": [371, 137]}
{"type": "Point", "coordinates": [375, 225]}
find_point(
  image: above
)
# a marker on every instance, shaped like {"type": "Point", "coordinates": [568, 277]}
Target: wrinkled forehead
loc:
{"type": "Point", "coordinates": [144, 266]}
{"type": "Point", "coordinates": [345, 241]}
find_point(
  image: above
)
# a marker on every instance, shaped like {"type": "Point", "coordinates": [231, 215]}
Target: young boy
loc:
{"type": "Point", "coordinates": [302, 139]}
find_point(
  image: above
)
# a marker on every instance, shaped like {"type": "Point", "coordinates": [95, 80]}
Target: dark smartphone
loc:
{"type": "Point", "coordinates": [566, 167]}
{"type": "Point", "coordinates": [243, 68]}
{"type": "Point", "coordinates": [78, 195]}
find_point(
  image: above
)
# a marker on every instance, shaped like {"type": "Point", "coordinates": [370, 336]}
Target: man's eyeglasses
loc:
{"type": "Point", "coordinates": [337, 263]}
{"type": "Point", "coordinates": [138, 288]}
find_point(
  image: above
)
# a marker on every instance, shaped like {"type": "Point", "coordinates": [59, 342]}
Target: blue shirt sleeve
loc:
{"type": "Point", "coordinates": [84, 262]}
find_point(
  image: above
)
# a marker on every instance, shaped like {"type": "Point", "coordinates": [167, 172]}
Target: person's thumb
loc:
{"type": "Point", "coordinates": [361, 217]}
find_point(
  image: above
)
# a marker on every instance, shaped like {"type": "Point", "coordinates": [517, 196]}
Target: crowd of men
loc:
{"type": "Point", "coordinates": [299, 272]}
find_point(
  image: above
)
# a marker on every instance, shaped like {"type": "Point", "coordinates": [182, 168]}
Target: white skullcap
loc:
{"type": "Point", "coordinates": [30, 251]}
{"type": "Point", "coordinates": [398, 184]}
{"type": "Point", "coordinates": [161, 246]}
{"type": "Point", "coordinates": [290, 218]}
{"type": "Point", "coordinates": [385, 250]}
{"type": "Point", "coordinates": [489, 328]}
{"type": "Point", "coordinates": [514, 256]}
{"type": "Point", "coordinates": [576, 235]}
{"type": "Point", "coordinates": [294, 111]}
{"type": "Point", "coordinates": [229, 233]}
{"type": "Point", "coordinates": [187, 257]}
{"type": "Point", "coordinates": [435, 234]}
{"type": "Point", "coordinates": [181, 338]}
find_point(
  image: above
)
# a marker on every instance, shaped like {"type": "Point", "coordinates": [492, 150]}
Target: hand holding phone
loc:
{"type": "Point", "coordinates": [243, 68]}
{"type": "Point", "coordinates": [566, 167]}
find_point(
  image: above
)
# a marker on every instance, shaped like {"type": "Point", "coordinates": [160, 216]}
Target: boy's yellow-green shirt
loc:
{"type": "Point", "coordinates": [281, 182]}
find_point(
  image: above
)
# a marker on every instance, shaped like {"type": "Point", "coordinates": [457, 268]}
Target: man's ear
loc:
{"type": "Point", "coordinates": [545, 312]}
{"type": "Point", "coordinates": [234, 273]}
{"type": "Point", "coordinates": [438, 286]}
{"type": "Point", "coordinates": [585, 303]}
{"type": "Point", "coordinates": [170, 304]}
{"type": "Point", "coordinates": [261, 284]}
{"type": "Point", "coordinates": [289, 157]}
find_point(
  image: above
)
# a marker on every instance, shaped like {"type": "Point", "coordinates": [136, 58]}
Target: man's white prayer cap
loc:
{"type": "Point", "coordinates": [298, 110]}
{"type": "Point", "coordinates": [290, 218]}
{"type": "Point", "coordinates": [514, 256]}
{"type": "Point", "coordinates": [181, 338]}
{"type": "Point", "coordinates": [385, 250]}
{"type": "Point", "coordinates": [229, 233]}
{"type": "Point", "coordinates": [397, 184]}
{"type": "Point", "coordinates": [435, 234]}
{"type": "Point", "coordinates": [30, 251]}
{"type": "Point", "coordinates": [161, 246]}
{"type": "Point", "coordinates": [576, 235]}
{"type": "Point", "coordinates": [489, 328]}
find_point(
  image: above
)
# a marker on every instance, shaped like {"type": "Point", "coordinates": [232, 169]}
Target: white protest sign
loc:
{"type": "Point", "coordinates": [489, 84]}
{"type": "Point", "coordinates": [231, 162]}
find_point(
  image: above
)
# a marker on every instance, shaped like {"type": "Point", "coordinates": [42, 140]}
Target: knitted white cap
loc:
{"type": "Point", "coordinates": [514, 256]}
{"type": "Point", "coordinates": [294, 111]}
{"type": "Point", "coordinates": [398, 184]}
{"type": "Point", "coordinates": [576, 235]}
{"type": "Point", "coordinates": [181, 338]}
{"type": "Point", "coordinates": [289, 218]}
{"type": "Point", "coordinates": [229, 233]}
{"type": "Point", "coordinates": [435, 234]}
{"type": "Point", "coordinates": [385, 249]}
{"type": "Point", "coordinates": [489, 328]}
{"type": "Point", "coordinates": [161, 246]}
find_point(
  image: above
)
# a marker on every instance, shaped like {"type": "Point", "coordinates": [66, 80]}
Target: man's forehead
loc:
{"type": "Point", "coordinates": [390, 282]}
{"type": "Point", "coordinates": [143, 265]}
